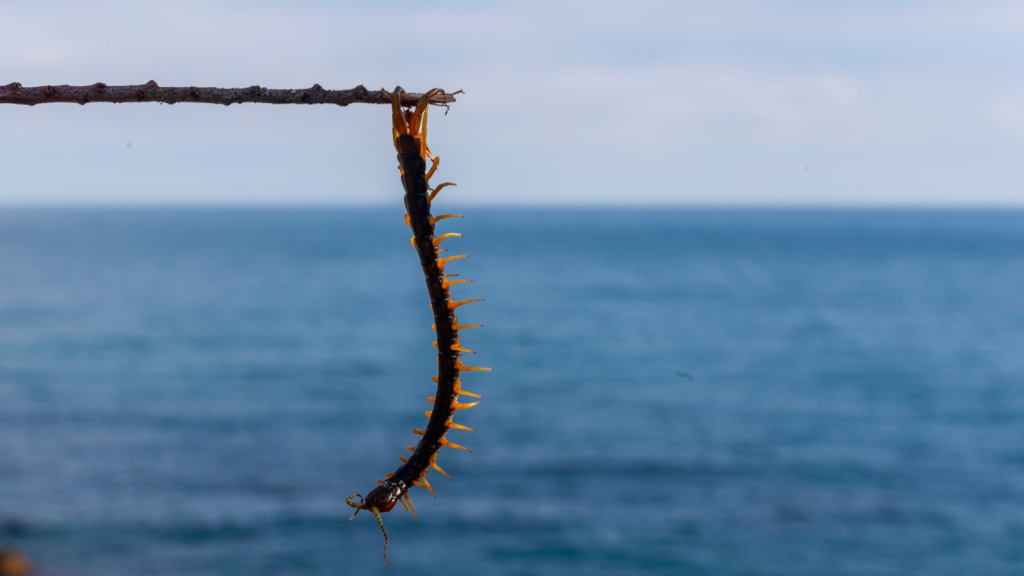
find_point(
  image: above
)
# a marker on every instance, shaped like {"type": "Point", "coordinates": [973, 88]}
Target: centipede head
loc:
{"type": "Point", "coordinates": [381, 499]}
{"type": "Point", "coordinates": [385, 496]}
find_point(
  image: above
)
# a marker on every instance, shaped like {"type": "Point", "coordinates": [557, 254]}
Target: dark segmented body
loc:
{"type": "Point", "coordinates": [417, 204]}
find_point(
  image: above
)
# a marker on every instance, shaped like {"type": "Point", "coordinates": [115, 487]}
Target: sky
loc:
{"type": "Point", "coordinates": [571, 103]}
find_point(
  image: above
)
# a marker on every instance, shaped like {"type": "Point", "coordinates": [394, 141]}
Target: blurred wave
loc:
{"type": "Point", "coordinates": [196, 391]}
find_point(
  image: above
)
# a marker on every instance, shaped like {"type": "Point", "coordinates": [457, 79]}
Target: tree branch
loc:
{"type": "Point", "coordinates": [14, 93]}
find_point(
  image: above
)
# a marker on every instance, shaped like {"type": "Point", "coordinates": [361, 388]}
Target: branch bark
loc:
{"type": "Point", "coordinates": [15, 93]}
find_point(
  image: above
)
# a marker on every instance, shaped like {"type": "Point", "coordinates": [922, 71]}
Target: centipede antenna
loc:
{"type": "Point", "coordinates": [357, 505]}
{"type": "Point", "coordinates": [385, 531]}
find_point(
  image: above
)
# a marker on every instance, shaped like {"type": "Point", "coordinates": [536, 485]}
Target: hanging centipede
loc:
{"type": "Point", "coordinates": [409, 131]}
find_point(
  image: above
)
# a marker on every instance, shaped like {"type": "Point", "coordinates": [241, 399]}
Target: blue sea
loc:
{"type": "Point", "coordinates": [707, 392]}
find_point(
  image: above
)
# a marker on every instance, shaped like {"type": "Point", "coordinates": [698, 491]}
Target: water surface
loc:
{"type": "Point", "coordinates": [675, 392]}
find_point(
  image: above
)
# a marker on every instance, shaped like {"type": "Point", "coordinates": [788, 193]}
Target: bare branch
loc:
{"type": "Point", "coordinates": [14, 93]}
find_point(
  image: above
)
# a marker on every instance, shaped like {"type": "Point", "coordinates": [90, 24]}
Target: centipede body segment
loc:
{"type": "Point", "coordinates": [409, 129]}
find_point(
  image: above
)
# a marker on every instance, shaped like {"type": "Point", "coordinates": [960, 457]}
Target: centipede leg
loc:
{"type": "Point", "coordinates": [411, 507]}
{"type": "Point", "coordinates": [438, 468]}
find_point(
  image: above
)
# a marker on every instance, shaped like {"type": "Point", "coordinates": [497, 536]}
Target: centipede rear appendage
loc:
{"type": "Point", "coordinates": [409, 130]}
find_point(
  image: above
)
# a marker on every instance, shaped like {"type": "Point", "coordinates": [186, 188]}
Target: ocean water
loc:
{"type": "Point", "coordinates": [674, 392]}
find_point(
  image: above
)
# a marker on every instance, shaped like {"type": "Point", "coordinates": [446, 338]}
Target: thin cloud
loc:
{"type": "Point", "coordinates": [584, 97]}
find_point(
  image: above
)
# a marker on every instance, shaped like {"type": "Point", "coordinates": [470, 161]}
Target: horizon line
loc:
{"type": "Point", "coordinates": [738, 206]}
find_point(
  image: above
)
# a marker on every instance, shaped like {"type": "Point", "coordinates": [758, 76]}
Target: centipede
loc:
{"type": "Point", "coordinates": [409, 133]}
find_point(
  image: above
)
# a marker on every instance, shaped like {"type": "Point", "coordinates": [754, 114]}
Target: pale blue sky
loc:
{"type": "Point", "coordinates": [567, 103]}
